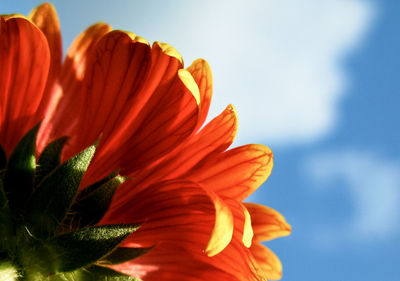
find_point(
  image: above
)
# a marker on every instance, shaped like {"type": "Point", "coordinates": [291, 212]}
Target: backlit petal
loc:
{"type": "Point", "coordinates": [172, 262]}
{"type": "Point", "coordinates": [176, 212]}
{"type": "Point", "coordinates": [24, 66]}
{"type": "Point", "coordinates": [116, 71]}
{"type": "Point", "coordinates": [268, 264]}
{"type": "Point", "coordinates": [214, 138]}
{"type": "Point", "coordinates": [72, 73]}
{"type": "Point", "coordinates": [159, 113]}
{"type": "Point", "coordinates": [45, 17]}
{"type": "Point", "coordinates": [266, 222]}
{"type": "Point", "coordinates": [235, 173]}
{"type": "Point", "coordinates": [237, 260]}
{"type": "Point", "coordinates": [166, 121]}
{"type": "Point", "coordinates": [242, 220]}
{"type": "Point", "coordinates": [201, 73]}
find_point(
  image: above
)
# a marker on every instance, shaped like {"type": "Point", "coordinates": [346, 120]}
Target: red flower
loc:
{"type": "Point", "coordinates": [184, 185]}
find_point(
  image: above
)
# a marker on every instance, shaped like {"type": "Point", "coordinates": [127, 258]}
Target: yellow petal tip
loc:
{"type": "Point", "coordinates": [222, 233]}
{"type": "Point", "coordinates": [247, 230]}
{"type": "Point", "coordinates": [136, 38]}
{"type": "Point", "coordinates": [170, 51]}
{"type": "Point", "coordinates": [190, 84]}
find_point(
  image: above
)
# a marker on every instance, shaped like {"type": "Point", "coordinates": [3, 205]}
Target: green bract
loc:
{"type": "Point", "coordinates": [48, 229]}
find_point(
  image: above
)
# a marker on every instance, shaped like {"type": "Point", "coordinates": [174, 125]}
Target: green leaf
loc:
{"type": "Point", "coordinates": [88, 245]}
{"type": "Point", "coordinates": [93, 202]}
{"type": "Point", "coordinates": [49, 159]}
{"type": "Point", "coordinates": [18, 180]}
{"type": "Point", "coordinates": [122, 254]}
{"type": "Point", "coordinates": [54, 195]}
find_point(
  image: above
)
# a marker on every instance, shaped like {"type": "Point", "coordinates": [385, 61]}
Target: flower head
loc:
{"type": "Point", "coordinates": [120, 175]}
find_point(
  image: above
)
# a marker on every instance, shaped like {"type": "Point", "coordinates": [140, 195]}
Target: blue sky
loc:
{"type": "Point", "coordinates": [318, 82]}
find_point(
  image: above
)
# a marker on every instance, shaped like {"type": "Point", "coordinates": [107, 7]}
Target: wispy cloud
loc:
{"type": "Point", "coordinates": [373, 185]}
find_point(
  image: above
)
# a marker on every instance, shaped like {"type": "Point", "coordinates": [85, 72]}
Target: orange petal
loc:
{"type": "Point", "coordinates": [117, 68]}
{"type": "Point", "coordinates": [24, 66]}
{"type": "Point", "coordinates": [268, 264]}
{"type": "Point", "coordinates": [170, 255]}
{"type": "Point", "coordinates": [201, 73]}
{"type": "Point", "coordinates": [242, 221]}
{"type": "Point", "coordinates": [45, 17]}
{"type": "Point", "coordinates": [172, 262]}
{"type": "Point", "coordinates": [76, 60]}
{"type": "Point", "coordinates": [175, 212]}
{"type": "Point", "coordinates": [163, 124]}
{"type": "Point", "coordinates": [72, 74]}
{"type": "Point", "coordinates": [235, 173]}
{"type": "Point", "coordinates": [160, 113]}
{"type": "Point", "coordinates": [266, 222]}
{"type": "Point", "coordinates": [215, 137]}
{"type": "Point", "coordinates": [235, 259]}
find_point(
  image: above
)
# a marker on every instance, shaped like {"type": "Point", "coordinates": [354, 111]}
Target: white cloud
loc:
{"type": "Point", "coordinates": [278, 62]}
{"type": "Point", "coordinates": [372, 183]}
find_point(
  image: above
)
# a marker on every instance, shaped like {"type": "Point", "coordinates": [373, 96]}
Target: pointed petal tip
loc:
{"type": "Point", "coordinates": [267, 223]}
{"type": "Point", "coordinates": [231, 108]}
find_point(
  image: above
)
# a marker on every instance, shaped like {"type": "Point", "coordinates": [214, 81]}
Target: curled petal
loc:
{"type": "Point", "coordinates": [235, 173]}
{"type": "Point", "coordinates": [236, 259]}
{"type": "Point", "coordinates": [176, 212]}
{"type": "Point", "coordinates": [172, 262]}
{"type": "Point", "coordinates": [268, 264]}
{"type": "Point", "coordinates": [266, 222]}
{"type": "Point", "coordinates": [223, 228]}
{"type": "Point", "coordinates": [242, 221]}
{"type": "Point", "coordinates": [24, 66]}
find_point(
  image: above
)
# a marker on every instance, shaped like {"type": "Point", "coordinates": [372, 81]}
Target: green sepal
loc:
{"type": "Point", "coordinates": [96, 185]}
{"type": "Point", "coordinates": [87, 245]}
{"type": "Point", "coordinates": [93, 273]}
{"type": "Point", "coordinates": [18, 181]}
{"type": "Point", "coordinates": [93, 202]}
{"type": "Point", "coordinates": [54, 196]}
{"type": "Point", "coordinates": [122, 254]}
{"type": "Point", "coordinates": [6, 225]}
{"type": "Point", "coordinates": [99, 273]}
{"type": "Point", "coordinates": [49, 159]}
